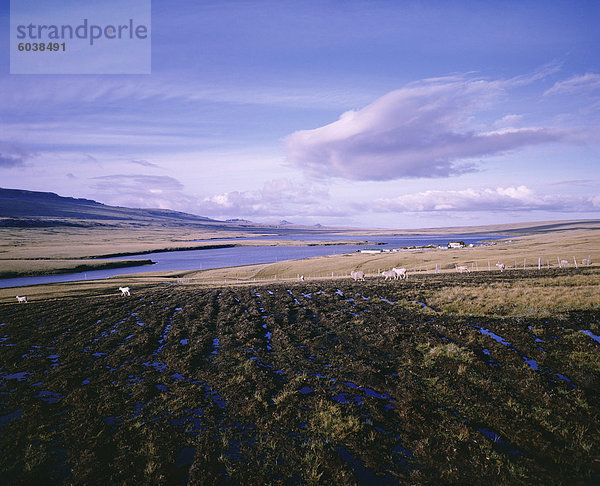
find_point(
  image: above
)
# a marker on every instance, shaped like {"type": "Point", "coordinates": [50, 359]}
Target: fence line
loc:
{"type": "Point", "coordinates": [416, 269]}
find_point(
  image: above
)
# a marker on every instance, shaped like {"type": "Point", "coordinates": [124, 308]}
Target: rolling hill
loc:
{"type": "Point", "coordinates": [18, 204]}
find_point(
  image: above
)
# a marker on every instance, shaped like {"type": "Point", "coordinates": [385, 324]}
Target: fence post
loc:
{"type": "Point", "coordinates": [539, 263]}
{"type": "Point", "coordinates": [575, 260]}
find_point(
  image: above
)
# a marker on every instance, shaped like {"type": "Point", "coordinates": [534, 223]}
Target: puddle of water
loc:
{"type": "Point", "coordinates": [563, 377]}
{"type": "Point", "coordinates": [48, 396]}
{"type": "Point", "coordinates": [17, 376]}
{"type": "Point", "coordinates": [364, 474]}
{"type": "Point", "coordinates": [216, 346]}
{"type": "Point", "coordinates": [110, 420]}
{"type": "Point", "coordinates": [591, 334]}
{"type": "Point", "coordinates": [486, 351]}
{"type": "Point", "coordinates": [341, 398]}
{"type": "Point", "coordinates": [157, 365]}
{"type": "Point", "coordinates": [339, 292]}
{"type": "Point", "coordinates": [494, 336]}
{"type": "Point", "coordinates": [531, 362]}
{"type": "Point", "coordinates": [86, 381]}
{"type": "Point", "coordinates": [496, 439]}
{"type": "Point", "coordinates": [374, 394]}
{"type": "Point", "coordinates": [98, 355]}
{"type": "Point", "coordinates": [388, 301]}
{"type": "Point", "coordinates": [185, 457]}
{"type": "Point", "coordinates": [305, 390]}
{"type": "Point", "coordinates": [162, 388]}
{"type": "Point", "coordinates": [5, 419]}
{"type": "Point", "coordinates": [162, 339]}
{"type": "Point", "coordinates": [216, 398]}
{"type": "Point", "coordinates": [183, 341]}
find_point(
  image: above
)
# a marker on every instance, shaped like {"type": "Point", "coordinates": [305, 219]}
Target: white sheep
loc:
{"type": "Point", "coordinates": [587, 261]}
{"type": "Point", "coordinates": [358, 275]}
{"type": "Point", "coordinates": [21, 299]}
{"type": "Point", "coordinates": [389, 274]}
{"type": "Point", "coordinates": [564, 263]}
{"type": "Point", "coordinates": [462, 268]}
{"type": "Point", "coordinates": [124, 291]}
{"type": "Point", "coordinates": [501, 266]}
{"type": "Point", "coordinates": [400, 272]}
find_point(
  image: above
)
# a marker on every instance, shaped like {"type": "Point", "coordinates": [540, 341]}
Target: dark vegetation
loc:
{"type": "Point", "coordinates": [321, 382]}
{"type": "Point", "coordinates": [78, 268]}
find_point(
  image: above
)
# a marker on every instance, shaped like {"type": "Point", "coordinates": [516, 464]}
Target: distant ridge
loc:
{"type": "Point", "coordinates": [19, 203]}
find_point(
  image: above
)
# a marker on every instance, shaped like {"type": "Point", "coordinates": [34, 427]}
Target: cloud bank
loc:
{"type": "Point", "coordinates": [511, 198]}
{"type": "Point", "coordinates": [141, 191]}
{"type": "Point", "coordinates": [278, 197]}
{"type": "Point", "coordinates": [421, 130]}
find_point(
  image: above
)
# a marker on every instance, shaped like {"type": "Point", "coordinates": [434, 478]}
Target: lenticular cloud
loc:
{"type": "Point", "coordinates": [418, 131]}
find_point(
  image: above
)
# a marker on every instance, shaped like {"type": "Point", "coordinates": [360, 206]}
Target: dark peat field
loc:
{"type": "Point", "coordinates": [326, 382]}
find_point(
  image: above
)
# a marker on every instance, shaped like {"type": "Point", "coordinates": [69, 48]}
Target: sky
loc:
{"type": "Point", "coordinates": [379, 113]}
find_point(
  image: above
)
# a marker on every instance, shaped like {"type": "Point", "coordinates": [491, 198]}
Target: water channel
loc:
{"type": "Point", "coordinates": [248, 255]}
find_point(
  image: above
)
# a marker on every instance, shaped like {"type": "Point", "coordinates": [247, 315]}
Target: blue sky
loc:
{"type": "Point", "coordinates": [396, 114]}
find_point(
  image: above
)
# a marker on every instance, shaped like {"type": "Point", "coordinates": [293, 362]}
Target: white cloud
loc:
{"type": "Point", "coordinates": [278, 197]}
{"type": "Point", "coordinates": [421, 130]}
{"type": "Point", "coordinates": [141, 191]}
{"type": "Point", "coordinates": [576, 84]}
{"type": "Point", "coordinates": [520, 198]}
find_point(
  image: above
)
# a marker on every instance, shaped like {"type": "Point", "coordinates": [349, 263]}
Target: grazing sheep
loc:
{"type": "Point", "coordinates": [302, 278]}
{"type": "Point", "coordinates": [400, 272]}
{"type": "Point", "coordinates": [564, 263]}
{"type": "Point", "coordinates": [358, 275]}
{"type": "Point", "coordinates": [124, 291]}
{"type": "Point", "coordinates": [462, 268]}
{"type": "Point", "coordinates": [501, 266]}
{"type": "Point", "coordinates": [389, 274]}
{"type": "Point", "coordinates": [21, 299]}
{"type": "Point", "coordinates": [587, 261]}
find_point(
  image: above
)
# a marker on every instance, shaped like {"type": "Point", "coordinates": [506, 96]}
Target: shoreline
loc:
{"type": "Point", "coordinates": [85, 267]}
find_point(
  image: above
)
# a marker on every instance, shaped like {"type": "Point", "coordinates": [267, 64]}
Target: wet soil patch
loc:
{"type": "Point", "coordinates": [330, 382]}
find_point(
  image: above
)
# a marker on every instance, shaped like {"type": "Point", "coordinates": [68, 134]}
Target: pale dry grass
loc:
{"type": "Point", "coordinates": [542, 297]}
{"type": "Point", "coordinates": [565, 245]}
